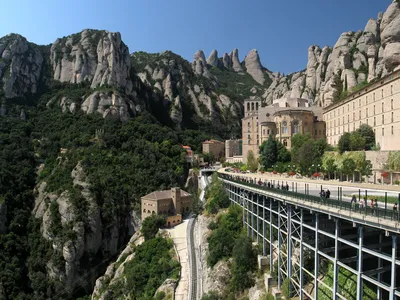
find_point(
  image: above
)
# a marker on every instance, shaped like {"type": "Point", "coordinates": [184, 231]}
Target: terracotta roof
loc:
{"type": "Point", "coordinates": [212, 142]}
{"type": "Point", "coordinates": [166, 194]}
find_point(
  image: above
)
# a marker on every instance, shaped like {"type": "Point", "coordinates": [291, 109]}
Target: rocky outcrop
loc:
{"type": "Point", "coordinates": [115, 271]}
{"type": "Point", "coordinates": [200, 64]}
{"type": "Point", "coordinates": [213, 60]}
{"type": "Point", "coordinates": [226, 60]}
{"type": "Point", "coordinates": [168, 288]}
{"type": "Point", "coordinates": [176, 112]}
{"type": "Point", "coordinates": [90, 237]}
{"type": "Point", "coordinates": [99, 57]}
{"type": "Point", "coordinates": [356, 56]}
{"type": "Point", "coordinates": [192, 182]}
{"type": "Point", "coordinates": [254, 67]}
{"type": "Point", "coordinates": [20, 66]}
{"type": "Point", "coordinates": [234, 58]}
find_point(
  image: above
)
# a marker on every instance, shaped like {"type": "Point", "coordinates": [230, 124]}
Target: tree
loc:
{"type": "Point", "coordinates": [151, 225]}
{"type": "Point", "coordinates": [283, 153]}
{"type": "Point", "coordinates": [208, 157]}
{"type": "Point", "coordinates": [268, 153]}
{"type": "Point", "coordinates": [344, 143]}
{"type": "Point", "coordinates": [368, 134]}
{"type": "Point", "coordinates": [297, 141]}
{"type": "Point", "coordinates": [348, 167]}
{"type": "Point", "coordinates": [366, 168]}
{"type": "Point", "coordinates": [252, 162]}
{"type": "Point", "coordinates": [357, 142]}
{"type": "Point", "coordinates": [305, 157]}
{"type": "Point", "coordinates": [330, 167]}
{"type": "Point", "coordinates": [244, 262]}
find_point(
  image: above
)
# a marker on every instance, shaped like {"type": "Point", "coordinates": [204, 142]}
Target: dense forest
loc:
{"type": "Point", "coordinates": [122, 161]}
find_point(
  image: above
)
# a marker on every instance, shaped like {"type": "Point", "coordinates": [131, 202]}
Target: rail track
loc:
{"type": "Point", "coordinates": [192, 295]}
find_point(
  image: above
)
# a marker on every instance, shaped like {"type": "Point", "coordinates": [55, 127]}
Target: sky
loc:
{"type": "Point", "coordinates": [280, 30]}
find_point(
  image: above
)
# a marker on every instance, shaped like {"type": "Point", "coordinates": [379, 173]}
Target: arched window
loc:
{"type": "Point", "coordinates": [153, 212]}
{"type": "Point", "coordinates": [252, 106]}
{"type": "Point", "coordinates": [285, 142]}
{"type": "Point", "coordinates": [295, 126]}
{"type": "Point", "coordinates": [144, 210]}
{"type": "Point", "coordinates": [257, 106]}
{"type": "Point", "coordinates": [284, 127]}
{"type": "Point", "coordinates": [248, 106]}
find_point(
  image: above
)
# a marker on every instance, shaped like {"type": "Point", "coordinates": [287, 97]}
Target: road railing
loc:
{"type": "Point", "coordinates": [338, 202]}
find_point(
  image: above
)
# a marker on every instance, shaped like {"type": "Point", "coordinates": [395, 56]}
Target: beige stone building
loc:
{"type": "Point", "coordinates": [172, 203]}
{"type": "Point", "coordinates": [215, 147]}
{"type": "Point", "coordinates": [233, 151]}
{"type": "Point", "coordinates": [284, 118]}
{"type": "Point", "coordinates": [377, 105]}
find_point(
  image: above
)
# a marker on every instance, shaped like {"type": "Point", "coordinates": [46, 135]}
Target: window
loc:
{"type": "Point", "coordinates": [366, 99]}
{"type": "Point", "coordinates": [267, 131]}
{"type": "Point", "coordinates": [263, 131]}
{"type": "Point", "coordinates": [383, 119]}
{"type": "Point", "coordinates": [248, 106]}
{"type": "Point", "coordinates": [354, 116]}
{"type": "Point", "coordinates": [392, 129]}
{"type": "Point", "coordinates": [391, 104]}
{"type": "Point", "coordinates": [374, 109]}
{"type": "Point", "coordinates": [391, 90]}
{"type": "Point", "coordinates": [366, 112]}
{"type": "Point", "coordinates": [382, 93]}
{"type": "Point", "coordinates": [252, 106]}
{"type": "Point", "coordinates": [383, 131]}
{"type": "Point", "coordinates": [392, 117]}
{"type": "Point", "coordinates": [374, 121]}
{"type": "Point", "coordinates": [248, 124]}
{"type": "Point", "coordinates": [343, 109]}
{"type": "Point", "coordinates": [348, 127]}
{"type": "Point", "coordinates": [359, 115]}
{"type": "Point", "coordinates": [258, 140]}
{"type": "Point", "coordinates": [257, 106]}
{"type": "Point", "coordinates": [284, 127]}
{"type": "Point", "coordinates": [285, 142]}
{"type": "Point", "coordinates": [354, 105]}
{"type": "Point", "coordinates": [295, 126]}
{"type": "Point", "coordinates": [367, 121]}
{"type": "Point", "coordinates": [383, 109]}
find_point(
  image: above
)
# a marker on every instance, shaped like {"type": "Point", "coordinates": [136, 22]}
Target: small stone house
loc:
{"type": "Point", "coordinates": [172, 203]}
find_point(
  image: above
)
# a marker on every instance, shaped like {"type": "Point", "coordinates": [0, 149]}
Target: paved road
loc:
{"type": "Point", "coordinates": [179, 236]}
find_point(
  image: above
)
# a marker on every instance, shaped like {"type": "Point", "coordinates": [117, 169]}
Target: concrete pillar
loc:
{"type": "Point", "coordinates": [379, 290]}
{"type": "Point", "coordinates": [258, 218]}
{"type": "Point", "coordinates": [264, 229]}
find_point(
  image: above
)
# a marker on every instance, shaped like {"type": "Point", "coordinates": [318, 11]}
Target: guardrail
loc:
{"type": "Point", "coordinates": [377, 212]}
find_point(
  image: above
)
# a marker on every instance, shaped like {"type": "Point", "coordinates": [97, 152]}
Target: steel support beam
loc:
{"type": "Point", "coordinates": [393, 271]}
{"type": "Point", "coordinates": [335, 261]}
{"type": "Point", "coordinates": [258, 218]}
{"type": "Point", "coordinates": [271, 238]}
{"type": "Point", "coordinates": [360, 263]}
{"type": "Point", "coordinates": [279, 246]}
{"type": "Point", "coordinates": [379, 290]}
{"type": "Point", "coordinates": [316, 261]}
{"type": "Point", "coordinates": [301, 256]}
{"type": "Point", "coordinates": [264, 229]}
{"type": "Point", "coordinates": [289, 244]}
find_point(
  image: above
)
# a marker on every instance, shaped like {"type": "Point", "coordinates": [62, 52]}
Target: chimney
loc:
{"type": "Point", "coordinates": [176, 199]}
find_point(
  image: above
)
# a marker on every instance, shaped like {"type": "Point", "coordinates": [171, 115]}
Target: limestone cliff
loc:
{"type": "Point", "coordinates": [357, 57]}
{"type": "Point", "coordinates": [78, 237]}
{"type": "Point", "coordinates": [99, 57]}
{"type": "Point", "coordinates": [20, 66]}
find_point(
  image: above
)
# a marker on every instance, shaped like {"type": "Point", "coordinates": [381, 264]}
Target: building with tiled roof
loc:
{"type": "Point", "coordinates": [172, 203]}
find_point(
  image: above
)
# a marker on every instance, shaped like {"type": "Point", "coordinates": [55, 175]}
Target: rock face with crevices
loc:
{"type": "Point", "coordinates": [88, 237]}
{"type": "Point", "coordinates": [20, 66]}
{"type": "Point", "coordinates": [99, 57]}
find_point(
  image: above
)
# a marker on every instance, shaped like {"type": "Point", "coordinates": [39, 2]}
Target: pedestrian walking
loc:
{"type": "Point", "coordinates": [362, 204]}
{"type": "Point", "coordinates": [328, 194]}
{"type": "Point", "coordinates": [322, 194]}
{"type": "Point", "coordinates": [394, 211]}
{"type": "Point", "coordinates": [353, 201]}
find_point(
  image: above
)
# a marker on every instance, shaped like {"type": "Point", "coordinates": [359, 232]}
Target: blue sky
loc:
{"type": "Point", "coordinates": [280, 30]}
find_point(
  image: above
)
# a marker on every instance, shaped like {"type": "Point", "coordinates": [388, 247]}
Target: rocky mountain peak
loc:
{"type": "Point", "coordinates": [234, 56]}
{"type": "Point", "coordinates": [20, 66]}
{"type": "Point", "coordinates": [226, 60]}
{"type": "Point", "coordinates": [199, 55]}
{"type": "Point", "coordinates": [212, 60]}
{"type": "Point", "coordinates": [99, 57]}
{"type": "Point", "coordinates": [254, 67]}
{"type": "Point", "coordinates": [200, 64]}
